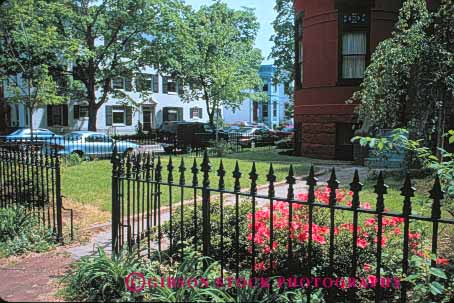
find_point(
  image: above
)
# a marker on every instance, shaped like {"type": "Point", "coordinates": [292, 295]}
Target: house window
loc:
{"type": "Point", "coordinates": [265, 87]}
{"type": "Point", "coordinates": [274, 88]}
{"type": "Point", "coordinates": [354, 51]}
{"type": "Point", "coordinates": [147, 82]}
{"type": "Point", "coordinates": [144, 82]}
{"type": "Point", "coordinates": [169, 85]}
{"type": "Point", "coordinates": [57, 115]}
{"type": "Point", "coordinates": [80, 111]}
{"type": "Point", "coordinates": [122, 83]}
{"type": "Point", "coordinates": [196, 113]}
{"type": "Point", "coordinates": [172, 114]}
{"type": "Point", "coordinates": [299, 51]}
{"type": "Point", "coordinates": [118, 116]}
{"type": "Point", "coordinates": [265, 111]}
{"type": "Point", "coordinates": [353, 44]}
{"type": "Point", "coordinates": [118, 83]}
{"type": "Point", "coordinates": [274, 109]}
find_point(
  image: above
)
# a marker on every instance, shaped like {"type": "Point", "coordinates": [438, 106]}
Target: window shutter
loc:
{"type": "Point", "coordinates": [128, 111]}
{"type": "Point", "coordinates": [180, 114]}
{"type": "Point", "coordinates": [49, 116]}
{"type": "Point", "coordinates": [156, 83]}
{"type": "Point", "coordinates": [108, 115]}
{"type": "Point", "coordinates": [138, 85]}
{"type": "Point", "coordinates": [165, 114]}
{"type": "Point", "coordinates": [65, 115]}
{"type": "Point", "coordinates": [200, 112]}
{"type": "Point", "coordinates": [191, 113]}
{"type": "Point", "coordinates": [128, 86]}
{"type": "Point", "coordinates": [164, 85]}
{"type": "Point", "coordinates": [76, 110]}
{"type": "Point", "coordinates": [180, 87]}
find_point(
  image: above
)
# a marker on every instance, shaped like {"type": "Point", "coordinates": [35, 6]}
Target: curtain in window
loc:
{"type": "Point", "coordinates": [354, 49]}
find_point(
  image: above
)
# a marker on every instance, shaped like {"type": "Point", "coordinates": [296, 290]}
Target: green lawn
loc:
{"type": "Point", "coordinates": [90, 182]}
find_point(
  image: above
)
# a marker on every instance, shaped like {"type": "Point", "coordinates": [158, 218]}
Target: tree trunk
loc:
{"type": "Point", "coordinates": [92, 106]}
{"type": "Point", "coordinates": [92, 116]}
{"type": "Point", "coordinates": [209, 110]}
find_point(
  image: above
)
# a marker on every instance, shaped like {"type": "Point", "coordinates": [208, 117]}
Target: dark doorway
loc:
{"type": "Point", "coordinates": [147, 119]}
{"type": "Point", "coordinates": [344, 146]}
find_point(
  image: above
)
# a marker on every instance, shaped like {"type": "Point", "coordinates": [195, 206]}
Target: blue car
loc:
{"type": "Point", "coordinates": [86, 143]}
{"type": "Point", "coordinates": [24, 134]}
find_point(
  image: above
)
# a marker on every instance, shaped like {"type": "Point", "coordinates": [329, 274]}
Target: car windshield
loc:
{"type": "Point", "coordinates": [21, 132]}
{"type": "Point", "coordinates": [246, 130]}
{"type": "Point", "coordinates": [73, 137]}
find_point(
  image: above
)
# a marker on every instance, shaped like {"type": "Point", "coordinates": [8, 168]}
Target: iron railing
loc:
{"type": "Point", "coordinates": [150, 201]}
{"type": "Point", "coordinates": [31, 179]}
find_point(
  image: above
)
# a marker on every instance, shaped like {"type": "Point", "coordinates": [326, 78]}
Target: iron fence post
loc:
{"type": "Point", "coordinates": [58, 197]}
{"type": "Point", "coordinates": [206, 168]}
{"type": "Point", "coordinates": [115, 203]}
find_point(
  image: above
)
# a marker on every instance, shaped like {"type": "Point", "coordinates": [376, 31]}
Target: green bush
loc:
{"type": "Point", "coordinates": [21, 233]}
{"type": "Point", "coordinates": [101, 278]}
{"type": "Point", "coordinates": [217, 252]}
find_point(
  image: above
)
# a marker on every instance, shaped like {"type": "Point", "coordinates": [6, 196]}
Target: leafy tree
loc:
{"type": "Point", "coordinates": [211, 51]}
{"type": "Point", "coordinates": [31, 47]}
{"type": "Point", "coordinates": [409, 82]}
{"type": "Point", "coordinates": [283, 51]}
{"type": "Point", "coordinates": [114, 37]}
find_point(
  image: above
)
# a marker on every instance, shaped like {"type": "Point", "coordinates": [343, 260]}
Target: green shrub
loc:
{"type": "Point", "coordinates": [21, 233]}
{"type": "Point", "coordinates": [229, 231]}
{"type": "Point", "coordinates": [102, 278]}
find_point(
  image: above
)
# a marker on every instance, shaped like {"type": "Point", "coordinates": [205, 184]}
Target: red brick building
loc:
{"type": "Point", "coordinates": [334, 43]}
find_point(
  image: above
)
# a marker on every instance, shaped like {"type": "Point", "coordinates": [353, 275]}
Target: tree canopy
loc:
{"type": "Point", "coordinates": [410, 81]}
{"type": "Point", "coordinates": [113, 37]}
{"type": "Point", "coordinates": [283, 51]}
{"type": "Point", "coordinates": [211, 51]}
{"type": "Point", "coordinates": [35, 52]}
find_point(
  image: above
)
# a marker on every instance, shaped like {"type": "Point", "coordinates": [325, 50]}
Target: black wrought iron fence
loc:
{"type": "Point", "coordinates": [167, 207]}
{"type": "Point", "coordinates": [31, 179]}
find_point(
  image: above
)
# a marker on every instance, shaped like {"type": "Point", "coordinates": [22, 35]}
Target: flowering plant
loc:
{"type": "Point", "coordinates": [274, 228]}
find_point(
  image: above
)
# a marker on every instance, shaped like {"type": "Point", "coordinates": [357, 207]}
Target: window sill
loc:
{"type": "Point", "coordinates": [171, 93]}
{"type": "Point", "coordinates": [119, 125]}
{"type": "Point", "coordinates": [349, 82]}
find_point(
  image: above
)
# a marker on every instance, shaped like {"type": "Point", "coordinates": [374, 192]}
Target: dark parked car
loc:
{"type": "Point", "coordinates": [285, 132]}
{"type": "Point", "coordinates": [252, 137]}
{"type": "Point", "coordinates": [185, 136]}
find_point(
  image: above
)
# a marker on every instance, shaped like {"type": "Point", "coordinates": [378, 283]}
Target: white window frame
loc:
{"type": "Point", "coordinates": [170, 80]}
{"type": "Point", "coordinates": [117, 110]}
{"type": "Point", "coordinates": [360, 55]}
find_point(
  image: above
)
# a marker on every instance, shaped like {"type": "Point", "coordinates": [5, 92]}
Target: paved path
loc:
{"type": "Point", "coordinates": [104, 239]}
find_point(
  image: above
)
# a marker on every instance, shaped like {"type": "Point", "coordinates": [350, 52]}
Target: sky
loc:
{"type": "Point", "coordinates": [265, 15]}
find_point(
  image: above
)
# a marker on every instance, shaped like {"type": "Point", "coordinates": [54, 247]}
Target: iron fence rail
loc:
{"type": "Point", "coordinates": [31, 179]}
{"type": "Point", "coordinates": [142, 186]}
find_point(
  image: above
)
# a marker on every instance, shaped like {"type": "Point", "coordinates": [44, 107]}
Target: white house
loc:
{"type": "Point", "coordinates": [271, 112]}
{"type": "Point", "coordinates": [154, 100]}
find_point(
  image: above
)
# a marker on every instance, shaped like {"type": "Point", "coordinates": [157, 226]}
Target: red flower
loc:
{"type": "Point", "coordinates": [366, 205]}
{"type": "Point", "coordinates": [371, 279]}
{"type": "Point", "coordinates": [367, 267]}
{"type": "Point", "coordinates": [370, 222]}
{"type": "Point", "coordinates": [442, 261]}
{"type": "Point", "coordinates": [319, 239]}
{"type": "Point", "coordinates": [414, 235]}
{"type": "Point", "coordinates": [383, 240]}
{"type": "Point", "coordinates": [361, 243]}
{"type": "Point", "coordinates": [397, 231]}
{"type": "Point", "coordinates": [260, 266]}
